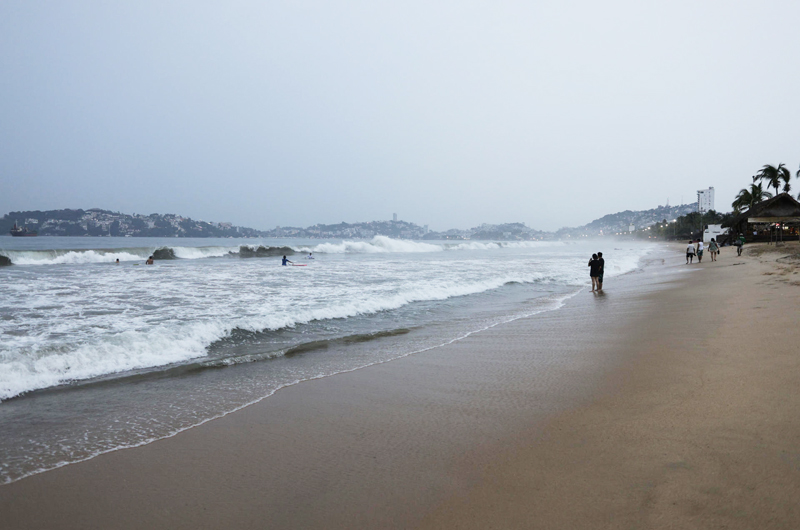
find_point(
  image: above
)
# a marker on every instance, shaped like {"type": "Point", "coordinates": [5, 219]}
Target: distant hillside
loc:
{"type": "Point", "coordinates": [365, 230]}
{"type": "Point", "coordinates": [507, 231]}
{"type": "Point", "coordinates": [96, 222]}
{"type": "Point", "coordinates": [622, 221]}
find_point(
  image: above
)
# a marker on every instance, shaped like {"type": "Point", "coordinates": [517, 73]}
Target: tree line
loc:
{"type": "Point", "coordinates": [777, 177]}
{"type": "Point", "coordinates": [689, 226]}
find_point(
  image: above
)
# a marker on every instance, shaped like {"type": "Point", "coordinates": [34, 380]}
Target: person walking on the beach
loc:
{"type": "Point", "coordinates": [739, 243]}
{"type": "Point", "coordinates": [690, 253]}
{"type": "Point", "coordinates": [594, 272]}
{"type": "Point", "coordinates": [713, 247]}
{"type": "Point", "coordinates": [602, 270]}
{"type": "Point", "coordinates": [699, 250]}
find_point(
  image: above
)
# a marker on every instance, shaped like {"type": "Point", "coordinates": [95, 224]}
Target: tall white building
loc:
{"type": "Point", "coordinates": [394, 217]}
{"type": "Point", "coordinates": [705, 200]}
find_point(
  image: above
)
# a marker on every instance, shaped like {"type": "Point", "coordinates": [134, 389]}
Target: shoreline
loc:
{"type": "Point", "coordinates": [697, 428]}
{"type": "Point", "coordinates": [559, 300]}
{"type": "Point", "coordinates": [463, 436]}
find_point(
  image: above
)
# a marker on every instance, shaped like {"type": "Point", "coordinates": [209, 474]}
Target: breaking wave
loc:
{"type": "Point", "coordinates": [383, 244]}
{"type": "Point", "coordinates": [76, 257]}
{"type": "Point", "coordinates": [35, 367]}
{"type": "Point", "coordinates": [377, 245]}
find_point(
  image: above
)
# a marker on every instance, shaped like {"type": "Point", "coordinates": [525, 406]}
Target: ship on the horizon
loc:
{"type": "Point", "coordinates": [21, 231]}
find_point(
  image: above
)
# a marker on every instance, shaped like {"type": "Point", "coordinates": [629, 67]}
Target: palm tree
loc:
{"type": "Point", "coordinates": [747, 198]}
{"type": "Point", "coordinates": [759, 194]}
{"type": "Point", "coordinates": [742, 200]}
{"type": "Point", "coordinates": [797, 176]}
{"type": "Point", "coordinates": [786, 175]}
{"type": "Point", "coordinates": [774, 175]}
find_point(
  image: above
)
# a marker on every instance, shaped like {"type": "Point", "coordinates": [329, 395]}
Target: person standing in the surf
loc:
{"type": "Point", "coordinates": [594, 272]}
{"type": "Point", "coordinates": [602, 270]}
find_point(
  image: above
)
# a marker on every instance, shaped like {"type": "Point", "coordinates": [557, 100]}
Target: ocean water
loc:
{"type": "Point", "coordinates": [97, 356]}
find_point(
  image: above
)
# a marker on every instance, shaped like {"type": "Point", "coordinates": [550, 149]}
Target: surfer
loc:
{"type": "Point", "coordinates": [310, 256]}
{"type": "Point", "coordinates": [284, 261]}
{"type": "Point", "coordinates": [149, 261]}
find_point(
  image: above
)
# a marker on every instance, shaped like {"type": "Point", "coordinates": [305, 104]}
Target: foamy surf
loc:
{"type": "Point", "coordinates": [147, 351]}
{"type": "Point", "coordinates": [377, 245]}
{"type": "Point", "coordinates": [71, 257]}
{"type": "Point", "coordinates": [30, 364]}
{"type": "Point", "coordinates": [81, 454]}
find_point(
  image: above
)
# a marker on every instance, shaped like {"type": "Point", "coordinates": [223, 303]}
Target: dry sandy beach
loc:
{"type": "Point", "coordinates": [669, 401]}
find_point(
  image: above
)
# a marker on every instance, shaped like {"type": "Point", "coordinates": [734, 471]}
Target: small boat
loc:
{"type": "Point", "coordinates": [21, 231]}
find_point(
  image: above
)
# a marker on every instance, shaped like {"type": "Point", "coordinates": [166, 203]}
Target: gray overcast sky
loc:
{"type": "Point", "coordinates": [451, 114]}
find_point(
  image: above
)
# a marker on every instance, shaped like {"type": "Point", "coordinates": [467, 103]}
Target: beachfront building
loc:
{"type": "Point", "coordinates": [776, 219]}
{"type": "Point", "coordinates": [705, 200]}
{"type": "Point", "coordinates": [713, 231]}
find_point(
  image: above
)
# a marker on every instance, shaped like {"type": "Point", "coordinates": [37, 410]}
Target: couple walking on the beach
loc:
{"type": "Point", "coordinates": [596, 266]}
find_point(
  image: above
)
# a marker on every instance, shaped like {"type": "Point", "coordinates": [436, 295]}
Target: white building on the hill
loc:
{"type": "Point", "coordinates": [705, 200]}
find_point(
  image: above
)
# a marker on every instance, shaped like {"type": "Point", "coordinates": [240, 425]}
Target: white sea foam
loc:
{"type": "Point", "coordinates": [30, 364]}
{"type": "Point", "coordinates": [128, 350]}
{"type": "Point", "coordinates": [378, 244]}
{"type": "Point", "coordinates": [76, 257]}
{"type": "Point", "coordinates": [383, 244]}
{"type": "Point", "coordinates": [202, 252]}
{"type": "Point", "coordinates": [63, 324]}
{"type": "Point", "coordinates": [492, 245]}
{"type": "Point", "coordinates": [59, 257]}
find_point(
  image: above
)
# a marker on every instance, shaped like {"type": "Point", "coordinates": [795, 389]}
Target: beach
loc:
{"type": "Point", "coordinates": [668, 401]}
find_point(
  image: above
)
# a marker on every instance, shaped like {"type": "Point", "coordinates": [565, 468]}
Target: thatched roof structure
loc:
{"type": "Point", "coordinates": [782, 208]}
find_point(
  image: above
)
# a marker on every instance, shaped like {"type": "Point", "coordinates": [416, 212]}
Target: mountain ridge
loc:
{"type": "Point", "coordinates": [99, 222]}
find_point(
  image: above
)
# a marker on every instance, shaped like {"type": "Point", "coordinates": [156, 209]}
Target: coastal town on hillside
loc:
{"type": "Point", "coordinates": [98, 222]}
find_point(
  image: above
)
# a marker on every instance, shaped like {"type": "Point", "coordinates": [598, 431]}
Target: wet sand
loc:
{"type": "Point", "coordinates": [669, 401]}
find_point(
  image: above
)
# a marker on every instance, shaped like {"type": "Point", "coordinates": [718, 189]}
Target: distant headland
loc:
{"type": "Point", "coordinates": [97, 222]}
